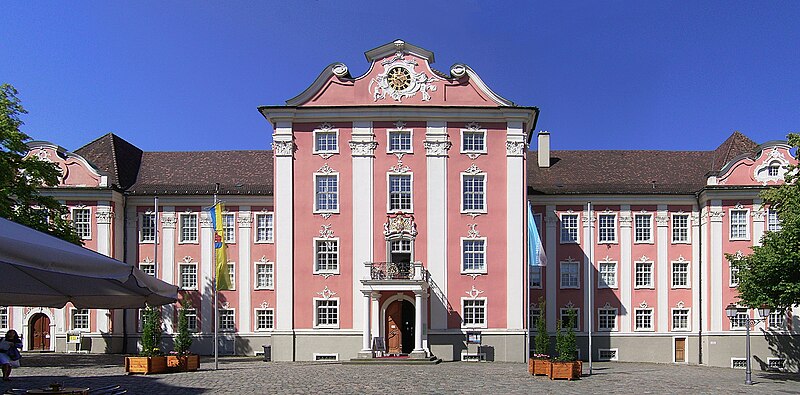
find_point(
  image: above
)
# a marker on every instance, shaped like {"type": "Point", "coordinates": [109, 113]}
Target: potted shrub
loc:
{"type": "Point", "coordinates": [181, 359]}
{"type": "Point", "coordinates": [539, 364]}
{"type": "Point", "coordinates": [565, 365]}
{"type": "Point", "coordinates": [150, 359]}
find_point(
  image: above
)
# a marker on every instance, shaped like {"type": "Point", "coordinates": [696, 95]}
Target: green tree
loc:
{"type": "Point", "coordinates": [771, 274]}
{"type": "Point", "coordinates": [151, 332]}
{"type": "Point", "coordinates": [565, 338]}
{"type": "Point", "coordinates": [183, 341]}
{"type": "Point", "coordinates": [541, 344]}
{"type": "Point", "coordinates": [20, 178]}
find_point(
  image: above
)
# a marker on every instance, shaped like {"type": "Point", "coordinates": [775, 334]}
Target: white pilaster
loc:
{"type": "Point", "coordinates": [588, 248]}
{"type": "Point", "coordinates": [551, 272]}
{"type": "Point", "coordinates": [166, 264]}
{"type": "Point", "coordinates": [715, 272]}
{"type": "Point", "coordinates": [437, 146]}
{"type": "Point", "coordinates": [104, 216]}
{"type": "Point", "coordinates": [375, 299]}
{"type": "Point", "coordinates": [662, 272]}
{"type": "Point", "coordinates": [283, 145]}
{"type": "Point", "coordinates": [244, 267]}
{"type": "Point", "coordinates": [695, 266]}
{"type": "Point", "coordinates": [205, 277]}
{"type": "Point", "coordinates": [418, 321]}
{"type": "Point", "coordinates": [759, 213]}
{"type": "Point", "coordinates": [362, 148]}
{"type": "Point", "coordinates": [366, 336]}
{"type": "Point", "coordinates": [515, 226]}
{"type": "Point", "coordinates": [132, 257]}
{"type": "Point", "coordinates": [624, 268]}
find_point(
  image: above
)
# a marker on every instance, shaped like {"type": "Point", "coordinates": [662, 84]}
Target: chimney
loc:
{"type": "Point", "coordinates": [544, 149]}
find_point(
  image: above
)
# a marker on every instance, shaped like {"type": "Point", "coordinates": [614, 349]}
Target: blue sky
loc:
{"type": "Point", "coordinates": [186, 75]}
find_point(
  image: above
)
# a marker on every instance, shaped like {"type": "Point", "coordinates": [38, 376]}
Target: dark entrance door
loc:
{"type": "Point", "coordinates": [40, 332]}
{"type": "Point", "coordinates": [400, 327]}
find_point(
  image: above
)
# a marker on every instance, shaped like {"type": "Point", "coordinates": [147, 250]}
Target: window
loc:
{"type": "Point", "coordinates": [188, 225]}
{"type": "Point", "coordinates": [148, 268]}
{"type": "Point", "coordinates": [569, 228]}
{"type": "Point", "coordinates": [608, 354]}
{"type": "Point", "coordinates": [327, 312]}
{"type": "Point", "coordinates": [607, 228]}
{"type": "Point", "coordinates": [473, 141]}
{"type": "Point", "coordinates": [140, 320]}
{"type": "Point", "coordinates": [680, 228]}
{"type": "Point", "coordinates": [82, 221]}
{"type": "Point", "coordinates": [773, 222]}
{"type": "Point", "coordinates": [536, 314]}
{"type": "Point", "coordinates": [265, 319]}
{"type": "Point", "coordinates": [232, 275]}
{"type": "Point", "coordinates": [473, 256]}
{"type": "Point", "coordinates": [643, 228]}
{"type": "Point", "coordinates": [227, 319]}
{"type": "Point", "coordinates": [473, 192]}
{"type": "Point", "coordinates": [738, 363]}
{"type": "Point", "coordinates": [644, 320]}
{"type": "Point", "coordinates": [777, 320]}
{"type": "Point", "coordinates": [644, 275]}
{"type": "Point", "coordinates": [773, 170]}
{"type": "Point", "coordinates": [327, 193]}
{"type": "Point", "coordinates": [80, 319]}
{"type": "Point", "coordinates": [607, 319]}
{"type": "Point", "coordinates": [739, 225]}
{"type": "Point", "coordinates": [191, 319]}
{"type": "Point", "coordinates": [680, 274]}
{"type": "Point", "coordinates": [399, 193]}
{"type": "Point", "coordinates": [474, 312]}
{"type": "Point", "coordinates": [326, 141]}
{"type": "Point", "coordinates": [399, 141]}
{"type": "Point", "coordinates": [680, 319]}
{"type": "Point", "coordinates": [739, 321]}
{"type": "Point", "coordinates": [188, 276]}
{"type": "Point", "coordinates": [569, 275]}
{"type": "Point", "coordinates": [536, 277]}
{"type": "Point", "coordinates": [734, 276]}
{"type": "Point", "coordinates": [327, 256]}
{"type": "Point", "coordinates": [566, 318]}
{"type": "Point", "coordinates": [229, 227]}
{"type": "Point", "coordinates": [608, 275]}
{"type": "Point", "coordinates": [265, 228]}
{"type": "Point", "coordinates": [147, 228]}
{"type": "Point", "coordinates": [265, 275]}
{"type": "Point", "coordinates": [3, 317]}
{"type": "Point", "coordinates": [776, 363]}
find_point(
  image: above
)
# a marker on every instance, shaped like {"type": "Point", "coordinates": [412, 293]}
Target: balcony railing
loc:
{"type": "Point", "coordinates": [395, 271]}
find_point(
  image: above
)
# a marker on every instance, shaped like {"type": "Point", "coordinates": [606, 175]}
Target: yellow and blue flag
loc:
{"type": "Point", "coordinates": [223, 277]}
{"type": "Point", "coordinates": [536, 255]}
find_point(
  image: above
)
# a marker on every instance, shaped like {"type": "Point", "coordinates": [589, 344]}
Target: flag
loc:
{"type": "Point", "coordinates": [536, 255]}
{"type": "Point", "coordinates": [221, 253]}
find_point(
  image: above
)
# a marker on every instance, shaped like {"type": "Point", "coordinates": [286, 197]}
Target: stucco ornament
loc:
{"type": "Point", "coordinates": [283, 148]}
{"type": "Point", "coordinates": [400, 224]}
{"type": "Point", "coordinates": [436, 148]}
{"type": "Point", "coordinates": [399, 80]}
{"type": "Point", "coordinates": [363, 148]}
{"type": "Point", "coordinates": [772, 169]}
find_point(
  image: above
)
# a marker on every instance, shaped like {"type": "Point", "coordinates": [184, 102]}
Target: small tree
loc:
{"type": "Point", "coordinates": [565, 339]}
{"type": "Point", "coordinates": [183, 342]}
{"type": "Point", "coordinates": [151, 332]}
{"type": "Point", "coordinates": [542, 340]}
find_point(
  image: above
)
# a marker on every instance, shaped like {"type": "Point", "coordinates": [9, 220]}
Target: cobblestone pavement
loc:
{"type": "Point", "coordinates": [252, 376]}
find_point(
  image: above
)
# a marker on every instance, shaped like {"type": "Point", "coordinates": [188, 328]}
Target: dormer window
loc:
{"type": "Point", "coordinates": [773, 170]}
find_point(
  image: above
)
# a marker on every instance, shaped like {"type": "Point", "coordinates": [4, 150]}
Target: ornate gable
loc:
{"type": "Point", "coordinates": [767, 168]}
{"type": "Point", "coordinates": [75, 170]}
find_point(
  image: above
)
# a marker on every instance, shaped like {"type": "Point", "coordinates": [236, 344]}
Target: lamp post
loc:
{"type": "Point", "coordinates": [732, 311]}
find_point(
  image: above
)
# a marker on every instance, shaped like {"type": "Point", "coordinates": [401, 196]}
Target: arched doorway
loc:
{"type": "Point", "coordinates": [39, 332]}
{"type": "Point", "coordinates": [400, 327]}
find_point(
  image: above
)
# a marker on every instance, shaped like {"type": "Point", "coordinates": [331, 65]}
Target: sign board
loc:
{"type": "Point", "coordinates": [473, 338]}
{"type": "Point", "coordinates": [379, 344]}
{"type": "Point", "coordinates": [74, 337]}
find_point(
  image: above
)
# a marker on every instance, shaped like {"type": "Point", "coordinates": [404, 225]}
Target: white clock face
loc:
{"type": "Point", "coordinates": [398, 78]}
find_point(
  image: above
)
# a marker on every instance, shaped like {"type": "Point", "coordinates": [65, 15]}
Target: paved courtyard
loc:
{"type": "Point", "coordinates": [252, 376]}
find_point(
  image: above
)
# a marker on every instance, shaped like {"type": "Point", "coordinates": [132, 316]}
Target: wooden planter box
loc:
{"type": "Point", "coordinates": [565, 370]}
{"type": "Point", "coordinates": [183, 363]}
{"type": "Point", "coordinates": [146, 365]}
{"type": "Point", "coordinates": [540, 367]}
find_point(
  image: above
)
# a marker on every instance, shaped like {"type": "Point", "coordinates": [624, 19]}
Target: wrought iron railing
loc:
{"type": "Point", "coordinates": [395, 270]}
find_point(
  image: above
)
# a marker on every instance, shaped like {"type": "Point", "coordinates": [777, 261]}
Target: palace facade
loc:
{"type": "Point", "coordinates": [393, 206]}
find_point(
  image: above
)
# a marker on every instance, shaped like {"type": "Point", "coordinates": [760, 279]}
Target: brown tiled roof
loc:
{"type": "Point", "coordinates": [178, 173]}
{"type": "Point", "coordinates": [115, 156]}
{"type": "Point", "coordinates": [737, 144]}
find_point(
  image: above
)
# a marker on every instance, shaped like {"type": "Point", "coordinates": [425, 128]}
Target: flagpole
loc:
{"type": "Point", "coordinates": [590, 285]}
{"type": "Point", "coordinates": [155, 235]}
{"type": "Point", "coordinates": [527, 323]}
{"type": "Point", "coordinates": [214, 285]}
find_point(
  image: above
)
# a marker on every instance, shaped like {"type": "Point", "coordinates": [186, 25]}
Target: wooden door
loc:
{"type": "Point", "coordinates": [40, 332]}
{"type": "Point", "coordinates": [680, 350]}
{"type": "Point", "coordinates": [394, 334]}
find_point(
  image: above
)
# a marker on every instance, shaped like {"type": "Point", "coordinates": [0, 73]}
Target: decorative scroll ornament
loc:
{"type": "Point", "coordinates": [226, 305]}
{"type": "Point", "coordinates": [400, 224]}
{"type": "Point", "coordinates": [680, 304]}
{"type": "Point", "coordinates": [644, 258]}
{"type": "Point", "coordinates": [473, 233]}
{"type": "Point", "coordinates": [263, 259]}
{"type": "Point", "coordinates": [473, 126]}
{"type": "Point", "coordinates": [400, 125]}
{"type": "Point", "coordinates": [681, 258]}
{"type": "Point", "coordinates": [775, 158]}
{"type": "Point", "coordinates": [662, 220]}
{"type": "Point", "coordinates": [643, 304]}
{"type": "Point", "coordinates": [265, 305]}
{"type": "Point", "coordinates": [608, 306]}
{"type": "Point", "coordinates": [245, 221]}
{"type": "Point", "coordinates": [326, 293]}
{"type": "Point", "coordinates": [606, 259]}
{"type": "Point", "coordinates": [738, 206]}
{"type": "Point", "coordinates": [326, 232]}
{"type": "Point", "coordinates": [168, 221]}
{"type": "Point", "coordinates": [188, 259]}
{"type": "Point", "coordinates": [363, 148]}
{"type": "Point", "coordinates": [399, 80]}
{"type": "Point", "coordinates": [758, 215]}
{"type": "Point", "coordinates": [325, 215]}
{"type": "Point", "coordinates": [104, 217]}
{"type": "Point", "coordinates": [625, 220]}
{"type": "Point", "coordinates": [473, 169]}
{"type": "Point", "coordinates": [738, 255]}
{"type": "Point", "coordinates": [436, 148]}
{"type": "Point", "coordinates": [339, 70]}
{"type": "Point", "coordinates": [325, 169]}
{"type": "Point", "coordinates": [283, 148]}
{"type": "Point", "coordinates": [515, 148]}
{"type": "Point", "coordinates": [569, 305]}
{"type": "Point", "coordinates": [716, 216]}
{"type": "Point", "coordinates": [474, 292]}
{"type": "Point", "coordinates": [147, 260]}
{"type": "Point", "coordinates": [43, 155]}
{"type": "Point", "coordinates": [399, 168]}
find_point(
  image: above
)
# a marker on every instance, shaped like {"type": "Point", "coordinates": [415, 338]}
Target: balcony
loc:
{"type": "Point", "coordinates": [395, 272]}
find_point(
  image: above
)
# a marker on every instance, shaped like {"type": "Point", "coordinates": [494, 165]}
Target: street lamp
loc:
{"type": "Point", "coordinates": [731, 311]}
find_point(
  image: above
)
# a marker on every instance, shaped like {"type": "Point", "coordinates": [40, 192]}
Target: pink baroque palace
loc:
{"type": "Point", "coordinates": [389, 219]}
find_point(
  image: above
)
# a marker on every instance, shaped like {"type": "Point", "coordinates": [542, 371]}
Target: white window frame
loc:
{"type": "Point", "coordinates": [600, 310]}
{"type": "Point", "coordinates": [73, 313]}
{"type": "Point", "coordinates": [651, 284]}
{"type": "Point", "coordinates": [316, 256]}
{"type": "Point", "coordinates": [269, 230]}
{"type": "Point", "coordinates": [232, 275]}
{"type": "Point", "coordinates": [770, 363]}
{"type": "Point", "coordinates": [151, 266]}
{"type": "Point", "coordinates": [780, 326]}
{"type": "Point", "coordinates": [267, 311]}
{"type": "Point", "coordinates": [316, 313]}
{"type": "Point", "coordinates": [688, 319]}
{"type": "Point", "coordinates": [389, 192]}
{"type": "Point", "coordinates": [601, 284]}
{"type": "Point", "coordinates": [576, 228]}
{"type": "Point", "coordinates": [4, 317]}
{"type": "Point", "coordinates": [316, 151]}
{"type": "Point", "coordinates": [738, 359]}
{"type": "Point", "coordinates": [613, 228]}
{"type": "Point", "coordinates": [742, 314]}
{"type": "Point", "coordinates": [533, 284]}
{"type": "Point", "coordinates": [88, 235]}
{"type": "Point", "coordinates": [316, 192]}
{"type": "Point", "coordinates": [535, 312]}
{"type": "Point", "coordinates": [673, 228]}
{"type": "Point", "coordinates": [688, 275]}
{"type": "Point", "coordinates": [746, 212]}
{"type": "Point", "coordinates": [600, 354]}
{"type": "Point", "coordinates": [485, 255]}
{"type": "Point", "coordinates": [196, 239]}
{"type": "Point", "coordinates": [733, 273]}
{"type": "Point", "coordinates": [561, 275]}
{"type": "Point", "coordinates": [227, 229]}
{"type": "Point", "coordinates": [180, 276]}
{"type": "Point", "coordinates": [636, 327]}
{"type": "Point", "coordinates": [577, 310]}
{"type": "Point", "coordinates": [389, 133]}
{"type": "Point", "coordinates": [649, 228]}
{"type": "Point", "coordinates": [773, 222]}
{"type": "Point", "coordinates": [220, 322]}
{"type": "Point", "coordinates": [191, 319]}
{"type": "Point", "coordinates": [465, 210]}
{"type": "Point", "coordinates": [270, 274]}
{"type": "Point", "coordinates": [142, 217]}
{"type": "Point", "coordinates": [464, 132]}
{"type": "Point", "coordinates": [485, 322]}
